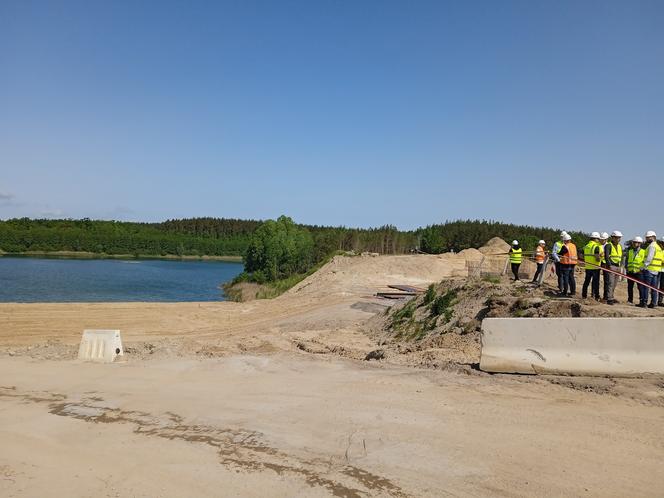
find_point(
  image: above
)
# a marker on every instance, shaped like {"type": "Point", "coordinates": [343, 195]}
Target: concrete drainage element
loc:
{"type": "Point", "coordinates": [100, 345]}
{"type": "Point", "coordinates": [573, 346]}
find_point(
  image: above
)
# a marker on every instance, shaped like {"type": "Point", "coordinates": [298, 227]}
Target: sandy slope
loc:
{"type": "Point", "coordinates": [255, 399]}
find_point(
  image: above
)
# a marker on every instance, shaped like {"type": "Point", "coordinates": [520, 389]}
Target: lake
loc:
{"type": "Point", "coordinates": [33, 280]}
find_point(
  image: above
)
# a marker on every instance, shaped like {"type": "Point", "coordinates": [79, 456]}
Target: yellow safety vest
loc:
{"type": "Point", "coordinates": [635, 259]}
{"type": "Point", "coordinates": [593, 261]}
{"type": "Point", "coordinates": [616, 254]}
{"type": "Point", "coordinates": [656, 263]}
{"type": "Point", "coordinates": [516, 256]}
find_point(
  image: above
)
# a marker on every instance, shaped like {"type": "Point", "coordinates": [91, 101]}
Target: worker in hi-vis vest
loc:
{"type": "Point", "coordinates": [613, 253]}
{"type": "Point", "coordinates": [568, 261]}
{"type": "Point", "coordinates": [634, 258]}
{"type": "Point", "coordinates": [540, 256]}
{"type": "Point", "coordinates": [661, 276]}
{"type": "Point", "coordinates": [592, 258]}
{"type": "Point", "coordinates": [516, 256]}
{"type": "Point", "coordinates": [652, 266]}
{"type": "Point", "coordinates": [556, 259]}
{"type": "Point", "coordinates": [603, 240]}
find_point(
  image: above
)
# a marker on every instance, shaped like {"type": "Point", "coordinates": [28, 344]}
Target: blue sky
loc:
{"type": "Point", "coordinates": [352, 113]}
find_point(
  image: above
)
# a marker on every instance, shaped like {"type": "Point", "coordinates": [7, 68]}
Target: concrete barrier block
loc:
{"type": "Point", "coordinates": [100, 345]}
{"type": "Point", "coordinates": [573, 346]}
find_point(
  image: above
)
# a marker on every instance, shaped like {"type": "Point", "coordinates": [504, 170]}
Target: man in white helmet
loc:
{"type": "Point", "coordinates": [556, 259]}
{"type": "Point", "coordinates": [540, 256]}
{"type": "Point", "coordinates": [516, 256]}
{"type": "Point", "coordinates": [603, 239]}
{"type": "Point", "coordinates": [613, 254]}
{"type": "Point", "coordinates": [592, 258]}
{"type": "Point", "coordinates": [634, 258]}
{"type": "Point", "coordinates": [568, 261]}
{"type": "Point", "coordinates": [652, 265]}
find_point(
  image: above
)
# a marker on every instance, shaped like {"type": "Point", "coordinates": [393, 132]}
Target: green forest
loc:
{"type": "Point", "coordinates": [232, 237]}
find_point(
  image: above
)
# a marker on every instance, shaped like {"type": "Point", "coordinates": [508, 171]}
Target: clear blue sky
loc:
{"type": "Point", "coordinates": [335, 112]}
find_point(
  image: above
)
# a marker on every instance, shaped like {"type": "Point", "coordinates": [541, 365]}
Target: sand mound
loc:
{"type": "Point", "coordinates": [362, 275]}
{"type": "Point", "coordinates": [471, 254]}
{"type": "Point", "coordinates": [495, 246]}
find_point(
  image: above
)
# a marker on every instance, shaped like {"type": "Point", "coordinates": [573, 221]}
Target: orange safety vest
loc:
{"type": "Point", "coordinates": [539, 254]}
{"type": "Point", "coordinates": [570, 257]}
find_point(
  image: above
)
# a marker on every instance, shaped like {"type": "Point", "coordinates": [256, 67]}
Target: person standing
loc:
{"type": "Point", "coordinates": [633, 262]}
{"type": "Point", "coordinates": [603, 239]}
{"type": "Point", "coordinates": [516, 256]}
{"type": "Point", "coordinates": [661, 276]}
{"type": "Point", "coordinates": [568, 261]}
{"type": "Point", "coordinates": [540, 256]}
{"type": "Point", "coordinates": [652, 265]}
{"type": "Point", "coordinates": [613, 257]}
{"type": "Point", "coordinates": [592, 257]}
{"type": "Point", "coordinates": [556, 259]}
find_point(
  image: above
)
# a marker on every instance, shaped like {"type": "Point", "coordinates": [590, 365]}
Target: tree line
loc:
{"type": "Point", "coordinates": [232, 237]}
{"type": "Point", "coordinates": [115, 237]}
{"type": "Point", "coordinates": [464, 234]}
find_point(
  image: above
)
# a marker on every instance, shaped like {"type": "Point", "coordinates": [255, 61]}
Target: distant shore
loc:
{"type": "Point", "coordinates": [95, 255]}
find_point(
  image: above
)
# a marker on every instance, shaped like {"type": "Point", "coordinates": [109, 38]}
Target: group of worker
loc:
{"type": "Point", "coordinates": [640, 261]}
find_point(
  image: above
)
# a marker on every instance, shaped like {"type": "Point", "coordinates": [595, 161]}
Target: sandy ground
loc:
{"type": "Point", "coordinates": [293, 425]}
{"type": "Point", "coordinates": [235, 399]}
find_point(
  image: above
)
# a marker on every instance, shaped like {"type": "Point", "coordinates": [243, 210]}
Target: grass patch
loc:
{"type": "Point", "coordinates": [274, 289]}
{"type": "Point", "coordinates": [492, 279]}
{"type": "Point", "coordinates": [232, 293]}
{"type": "Point", "coordinates": [429, 296]}
{"type": "Point", "coordinates": [404, 314]}
{"type": "Point", "coordinates": [442, 305]}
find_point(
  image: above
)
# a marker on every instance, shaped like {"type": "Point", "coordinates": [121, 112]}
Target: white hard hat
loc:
{"type": "Point", "coordinates": [594, 235]}
{"type": "Point", "coordinates": [604, 235]}
{"type": "Point", "coordinates": [651, 233]}
{"type": "Point", "coordinates": [515, 242]}
{"type": "Point", "coordinates": [637, 239]}
{"type": "Point", "coordinates": [616, 233]}
{"type": "Point", "coordinates": [566, 237]}
{"type": "Point", "coordinates": [541, 242]}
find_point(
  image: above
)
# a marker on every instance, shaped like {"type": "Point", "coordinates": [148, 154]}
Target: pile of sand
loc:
{"type": "Point", "coordinates": [470, 254]}
{"type": "Point", "coordinates": [495, 246]}
{"type": "Point", "coordinates": [365, 275]}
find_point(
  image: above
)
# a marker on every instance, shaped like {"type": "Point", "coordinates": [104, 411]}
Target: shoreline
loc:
{"type": "Point", "coordinates": [93, 255]}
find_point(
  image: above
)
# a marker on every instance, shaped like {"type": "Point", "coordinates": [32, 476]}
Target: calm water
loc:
{"type": "Point", "coordinates": [29, 280]}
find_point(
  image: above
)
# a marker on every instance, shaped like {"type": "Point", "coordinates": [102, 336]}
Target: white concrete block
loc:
{"type": "Point", "coordinates": [575, 346]}
{"type": "Point", "coordinates": [100, 345]}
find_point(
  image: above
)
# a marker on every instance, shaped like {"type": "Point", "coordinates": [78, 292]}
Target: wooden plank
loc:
{"type": "Point", "coordinates": [395, 295]}
{"type": "Point", "coordinates": [406, 288]}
